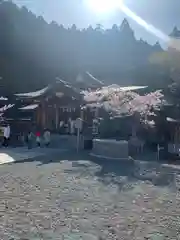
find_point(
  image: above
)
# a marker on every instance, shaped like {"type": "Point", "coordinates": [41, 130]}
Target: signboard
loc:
{"type": "Point", "coordinates": [78, 123]}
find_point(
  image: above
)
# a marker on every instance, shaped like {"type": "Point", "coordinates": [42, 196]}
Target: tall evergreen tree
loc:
{"type": "Point", "coordinates": [33, 53]}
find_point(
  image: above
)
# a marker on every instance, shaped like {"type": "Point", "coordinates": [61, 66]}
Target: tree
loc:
{"type": "Point", "coordinates": [34, 52]}
{"type": "Point", "coordinates": [119, 102]}
{"type": "Point", "coordinates": [170, 61]}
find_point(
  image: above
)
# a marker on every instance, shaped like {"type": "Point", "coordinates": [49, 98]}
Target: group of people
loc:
{"type": "Point", "coordinates": [67, 127]}
{"type": "Point", "coordinates": [40, 139]}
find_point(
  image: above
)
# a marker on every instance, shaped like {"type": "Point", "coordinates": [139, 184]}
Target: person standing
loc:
{"type": "Point", "coordinates": [30, 139]}
{"type": "Point", "coordinates": [38, 139]}
{"type": "Point", "coordinates": [47, 136]}
{"type": "Point", "coordinates": [70, 126]}
{"type": "Point", "coordinates": [61, 127]}
{"type": "Point", "coordinates": [7, 132]}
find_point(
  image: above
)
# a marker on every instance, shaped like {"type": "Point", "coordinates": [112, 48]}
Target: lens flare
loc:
{"type": "Point", "coordinates": [150, 28]}
{"type": "Point", "coordinates": [108, 6]}
{"type": "Point", "coordinates": [170, 41]}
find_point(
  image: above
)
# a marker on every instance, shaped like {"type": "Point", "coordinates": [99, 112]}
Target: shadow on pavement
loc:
{"type": "Point", "coordinates": [110, 170]}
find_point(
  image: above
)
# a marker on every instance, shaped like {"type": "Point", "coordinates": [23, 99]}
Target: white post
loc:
{"type": "Point", "coordinates": [78, 125]}
{"type": "Point", "coordinates": [158, 152]}
{"type": "Point", "coordinates": [57, 117]}
{"type": "Point", "coordinates": [78, 139]}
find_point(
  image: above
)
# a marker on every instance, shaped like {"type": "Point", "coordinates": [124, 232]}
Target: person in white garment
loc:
{"type": "Point", "coordinates": [61, 126]}
{"type": "Point", "coordinates": [72, 127]}
{"type": "Point", "coordinates": [7, 132]}
{"type": "Point", "coordinates": [47, 137]}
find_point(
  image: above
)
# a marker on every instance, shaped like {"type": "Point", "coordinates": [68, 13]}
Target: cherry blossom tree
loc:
{"type": "Point", "coordinates": [122, 102]}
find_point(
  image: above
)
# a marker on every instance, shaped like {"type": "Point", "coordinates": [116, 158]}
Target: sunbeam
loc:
{"type": "Point", "coordinates": [107, 6]}
{"type": "Point", "coordinates": [150, 28]}
{"type": "Point", "coordinates": [171, 42]}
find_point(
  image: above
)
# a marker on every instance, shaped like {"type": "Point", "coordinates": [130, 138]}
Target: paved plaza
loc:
{"type": "Point", "coordinates": [9, 155]}
{"type": "Point", "coordinates": [75, 197]}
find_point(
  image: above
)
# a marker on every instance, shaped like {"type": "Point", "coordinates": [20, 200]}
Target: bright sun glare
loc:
{"type": "Point", "coordinates": [107, 7]}
{"type": "Point", "coordinates": [103, 6]}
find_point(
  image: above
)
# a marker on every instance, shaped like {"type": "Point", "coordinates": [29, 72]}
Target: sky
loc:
{"type": "Point", "coordinates": [163, 14]}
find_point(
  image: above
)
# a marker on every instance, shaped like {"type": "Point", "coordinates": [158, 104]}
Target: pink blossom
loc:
{"type": "Point", "coordinates": [118, 102]}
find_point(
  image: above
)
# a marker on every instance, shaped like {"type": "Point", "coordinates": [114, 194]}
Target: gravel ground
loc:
{"type": "Point", "coordinates": [88, 200]}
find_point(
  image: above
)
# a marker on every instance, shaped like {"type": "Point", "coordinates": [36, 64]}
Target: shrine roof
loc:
{"type": "Point", "coordinates": [33, 94]}
{"type": "Point", "coordinates": [173, 120]}
{"type": "Point", "coordinates": [100, 93]}
{"type": "Point", "coordinates": [6, 107]}
{"type": "Point", "coordinates": [89, 81]}
{"type": "Point", "coordinates": [29, 107]}
{"type": "Point", "coordinates": [132, 88]}
{"type": "Point", "coordinates": [61, 87]}
{"type": "Point", "coordinates": [3, 98]}
{"type": "Point", "coordinates": [95, 79]}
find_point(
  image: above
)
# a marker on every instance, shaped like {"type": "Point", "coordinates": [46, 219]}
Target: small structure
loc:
{"type": "Point", "coordinates": [174, 136]}
{"type": "Point", "coordinates": [88, 81]}
{"type": "Point", "coordinates": [110, 149]}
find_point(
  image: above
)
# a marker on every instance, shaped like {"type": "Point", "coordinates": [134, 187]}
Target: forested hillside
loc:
{"type": "Point", "coordinates": [33, 53]}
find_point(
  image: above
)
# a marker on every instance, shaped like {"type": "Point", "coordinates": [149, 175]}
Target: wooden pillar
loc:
{"type": "Point", "coordinates": [37, 116]}
{"type": "Point", "coordinates": [43, 115]}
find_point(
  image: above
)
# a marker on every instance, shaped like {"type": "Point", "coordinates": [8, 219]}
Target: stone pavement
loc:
{"type": "Point", "coordinates": [74, 196]}
{"type": "Point", "coordinates": [59, 144]}
{"type": "Point", "coordinates": [69, 200]}
{"type": "Point", "coordinates": [8, 155]}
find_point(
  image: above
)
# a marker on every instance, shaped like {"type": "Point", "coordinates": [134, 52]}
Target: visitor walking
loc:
{"type": "Point", "coordinates": [47, 137]}
{"type": "Point", "coordinates": [7, 132]}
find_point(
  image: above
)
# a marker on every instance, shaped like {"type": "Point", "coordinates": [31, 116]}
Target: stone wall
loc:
{"type": "Point", "coordinates": [111, 149]}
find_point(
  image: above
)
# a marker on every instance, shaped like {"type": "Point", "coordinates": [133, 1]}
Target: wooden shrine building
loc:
{"type": "Point", "coordinates": [45, 108]}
